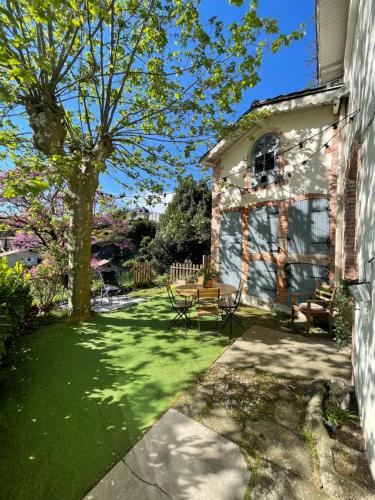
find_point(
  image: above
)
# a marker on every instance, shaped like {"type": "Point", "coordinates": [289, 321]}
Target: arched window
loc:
{"type": "Point", "coordinates": [264, 159]}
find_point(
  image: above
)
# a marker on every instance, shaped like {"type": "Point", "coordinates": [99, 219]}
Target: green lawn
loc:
{"type": "Point", "coordinates": [75, 398]}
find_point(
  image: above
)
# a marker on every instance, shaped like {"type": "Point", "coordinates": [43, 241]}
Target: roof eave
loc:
{"type": "Point", "coordinates": [275, 105]}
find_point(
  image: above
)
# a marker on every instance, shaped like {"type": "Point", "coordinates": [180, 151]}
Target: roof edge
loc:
{"type": "Point", "coordinates": [275, 100]}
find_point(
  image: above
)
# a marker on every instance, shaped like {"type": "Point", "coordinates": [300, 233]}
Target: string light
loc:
{"type": "Point", "coordinates": [326, 145]}
{"type": "Point", "coordinates": [304, 162]}
{"type": "Point", "coordinates": [351, 117]}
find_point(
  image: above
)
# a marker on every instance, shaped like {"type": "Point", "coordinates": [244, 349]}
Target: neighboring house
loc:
{"type": "Point", "coordinates": [140, 213]}
{"type": "Point", "coordinates": [6, 239]}
{"type": "Point", "coordinates": [154, 217]}
{"type": "Point", "coordinates": [274, 218]}
{"type": "Point", "coordinates": [27, 257]}
{"type": "Point", "coordinates": [283, 234]}
{"type": "Point", "coordinates": [346, 47]}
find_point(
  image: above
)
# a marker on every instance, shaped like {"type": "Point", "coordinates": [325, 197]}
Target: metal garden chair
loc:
{"type": "Point", "coordinates": [110, 286]}
{"type": "Point", "coordinates": [228, 307]}
{"type": "Point", "coordinates": [182, 308]}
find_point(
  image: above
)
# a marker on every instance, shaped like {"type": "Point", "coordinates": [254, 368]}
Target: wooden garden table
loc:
{"type": "Point", "coordinates": [190, 290]}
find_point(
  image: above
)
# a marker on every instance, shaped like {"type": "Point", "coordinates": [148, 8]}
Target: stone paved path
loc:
{"type": "Point", "coordinates": [276, 351]}
{"type": "Point", "coordinates": [263, 414]}
{"type": "Point", "coordinates": [177, 459]}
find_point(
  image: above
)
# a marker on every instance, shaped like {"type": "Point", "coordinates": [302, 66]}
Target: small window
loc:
{"type": "Point", "coordinates": [264, 160]}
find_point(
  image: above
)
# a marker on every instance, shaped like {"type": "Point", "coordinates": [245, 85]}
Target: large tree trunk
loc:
{"type": "Point", "coordinates": [82, 188]}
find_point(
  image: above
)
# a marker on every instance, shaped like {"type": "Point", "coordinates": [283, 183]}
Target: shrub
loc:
{"type": "Point", "coordinates": [46, 284]}
{"type": "Point", "coordinates": [15, 302]}
{"type": "Point", "coordinates": [96, 286]}
{"type": "Point", "coordinates": [343, 315]}
{"type": "Point", "coordinates": [161, 279]}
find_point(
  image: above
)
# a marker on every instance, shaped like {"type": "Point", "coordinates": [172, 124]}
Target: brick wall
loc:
{"type": "Point", "coordinates": [351, 211]}
{"type": "Point", "coordinates": [215, 225]}
{"type": "Point", "coordinates": [334, 151]}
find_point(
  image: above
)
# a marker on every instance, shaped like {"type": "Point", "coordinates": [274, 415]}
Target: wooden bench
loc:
{"type": "Point", "coordinates": [320, 305]}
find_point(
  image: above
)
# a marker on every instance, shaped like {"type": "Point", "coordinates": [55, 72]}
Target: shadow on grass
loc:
{"type": "Point", "coordinates": [75, 398]}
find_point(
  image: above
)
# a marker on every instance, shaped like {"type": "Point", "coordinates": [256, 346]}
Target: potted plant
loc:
{"type": "Point", "coordinates": [200, 276]}
{"type": "Point", "coordinates": [207, 277]}
{"type": "Point", "coordinates": [215, 276]}
{"type": "Point", "coordinates": [190, 278]}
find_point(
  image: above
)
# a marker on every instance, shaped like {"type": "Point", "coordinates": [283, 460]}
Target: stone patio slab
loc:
{"type": "Point", "coordinates": [117, 303]}
{"type": "Point", "coordinates": [281, 352]}
{"type": "Point", "coordinates": [177, 459]}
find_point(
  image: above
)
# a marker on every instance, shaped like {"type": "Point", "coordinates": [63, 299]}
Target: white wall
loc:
{"type": "Point", "coordinates": [28, 258]}
{"type": "Point", "coordinates": [360, 79]}
{"type": "Point", "coordinates": [296, 127]}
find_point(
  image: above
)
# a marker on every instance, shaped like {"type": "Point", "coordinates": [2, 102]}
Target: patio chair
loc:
{"type": "Point", "coordinates": [208, 300]}
{"type": "Point", "coordinates": [182, 308]}
{"type": "Point", "coordinates": [320, 305]}
{"type": "Point", "coordinates": [110, 286]}
{"type": "Point", "coordinates": [228, 307]}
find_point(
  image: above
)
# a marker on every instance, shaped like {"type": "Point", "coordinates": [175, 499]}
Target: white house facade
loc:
{"type": "Point", "coordinates": [27, 257]}
{"type": "Point", "coordinates": [294, 193]}
{"type": "Point", "coordinates": [274, 198]}
{"type": "Point", "coordinates": [353, 58]}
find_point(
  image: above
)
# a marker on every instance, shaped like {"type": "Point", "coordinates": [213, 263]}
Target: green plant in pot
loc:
{"type": "Point", "coordinates": [207, 277]}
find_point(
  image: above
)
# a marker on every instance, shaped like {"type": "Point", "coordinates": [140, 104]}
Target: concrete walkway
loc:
{"type": "Point", "coordinates": [181, 459]}
{"type": "Point", "coordinates": [177, 459]}
{"type": "Point", "coordinates": [275, 351]}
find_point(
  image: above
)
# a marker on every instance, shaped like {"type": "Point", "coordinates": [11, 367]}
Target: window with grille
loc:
{"type": "Point", "coordinates": [264, 159]}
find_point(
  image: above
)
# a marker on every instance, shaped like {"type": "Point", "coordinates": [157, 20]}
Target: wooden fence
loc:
{"type": "Point", "coordinates": [142, 273]}
{"type": "Point", "coordinates": [180, 270]}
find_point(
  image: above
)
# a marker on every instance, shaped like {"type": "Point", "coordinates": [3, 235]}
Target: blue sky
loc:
{"type": "Point", "coordinates": [281, 73]}
{"type": "Point", "coordinates": [285, 71]}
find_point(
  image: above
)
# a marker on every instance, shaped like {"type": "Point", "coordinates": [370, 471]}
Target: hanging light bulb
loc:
{"type": "Point", "coordinates": [300, 145]}
{"type": "Point", "coordinates": [326, 145]}
{"type": "Point", "coordinates": [304, 162]}
{"type": "Point", "coordinates": [335, 126]}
